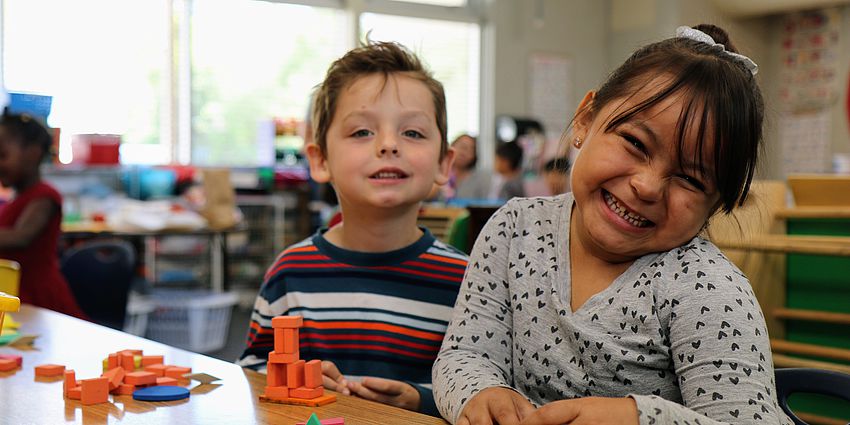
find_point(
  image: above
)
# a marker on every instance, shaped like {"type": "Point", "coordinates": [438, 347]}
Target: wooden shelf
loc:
{"type": "Point", "coordinates": [781, 360]}
{"type": "Point", "coordinates": [812, 315]}
{"type": "Point", "coordinates": [788, 244]}
{"type": "Point", "coordinates": [814, 212]}
{"type": "Point", "coordinates": [799, 348]}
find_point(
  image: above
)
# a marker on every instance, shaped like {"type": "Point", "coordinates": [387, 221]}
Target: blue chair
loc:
{"type": "Point", "coordinates": [99, 273]}
{"type": "Point", "coordinates": [813, 381]}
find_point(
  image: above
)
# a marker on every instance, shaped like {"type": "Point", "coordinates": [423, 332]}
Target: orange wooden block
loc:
{"type": "Point", "coordinates": [287, 321]}
{"type": "Point", "coordinates": [290, 340]}
{"type": "Point", "coordinates": [164, 380]}
{"type": "Point", "coordinates": [152, 360]}
{"type": "Point", "coordinates": [124, 389]}
{"type": "Point", "coordinates": [95, 391]}
{"type": "Point", "coordinates": [115, 377]}
{"type": "Point", "coordinates": [283, 358]}
{"type": "Point", "coordinates": [275, 374]}
{"type": "Point", "coordinates": [157, 369]}
{"type": "Point", "coordinates": [177, 372]}
{"type": "Point", "coordinates": [7, 365]}
{"type": "Point", "coordinates": [75, 393]}
{"type": "Point", "coordinates": [312, 402]}
{"type": "Point", "coordinates": [112, 361]}
{"type": "Point", "coordinates": [18, 359]}
{"type": "Point", "coordinates": [70, 381]}
{"type": "Point", "coordinates": [277, 392]}
{"type": "Point", "coordinates": [49, 370]}
{"type": "Point", "coordinates": [278, 340]}
{"type": "Point", "coordinates": [132, 351]}
{"type": "Point", "coordinates": [304, 392]}
{"type": "Point", "coordinates": [295, 374]}
{"type": "Point", "coordinates": [313, 374]}
{"type": "Point", "coordinates": [127, 361]}
{"type": "Point", "coordinates": [140, 378]}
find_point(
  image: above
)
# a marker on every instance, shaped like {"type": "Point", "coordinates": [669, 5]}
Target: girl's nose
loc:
{"type": "Point", "coordinates": [649, 186]}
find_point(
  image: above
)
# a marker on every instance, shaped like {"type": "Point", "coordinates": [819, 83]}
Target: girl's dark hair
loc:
{"type": "Point", "coordinates": [474, 147]}
{"type": "Point", "coordinates": [719, 91]}
{"type": "Point", "coordinates": [28, 130]}
{"type": "Point", "coordinates": [511, 152]}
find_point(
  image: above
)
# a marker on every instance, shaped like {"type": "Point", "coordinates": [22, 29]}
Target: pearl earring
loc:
{"type": "Point", "coordinates": [577, 142]}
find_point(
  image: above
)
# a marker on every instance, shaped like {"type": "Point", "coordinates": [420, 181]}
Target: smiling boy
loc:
{"type": "Point", "coordinates": [376, 291]}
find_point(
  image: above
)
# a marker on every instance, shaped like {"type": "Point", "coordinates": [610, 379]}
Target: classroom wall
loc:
{"type": "Point", "coordinates": [575, 28]}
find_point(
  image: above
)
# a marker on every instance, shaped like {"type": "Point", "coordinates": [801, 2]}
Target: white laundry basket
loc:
{"type": "Point", "coordinates": [139, 308]}
{"type": "Point", "coordinates": [195, 320]}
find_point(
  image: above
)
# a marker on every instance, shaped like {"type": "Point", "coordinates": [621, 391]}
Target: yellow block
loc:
{"type": "Point", "coordinates": [7, 303]}
{"type": "Point", "coordinates": [10, 277]}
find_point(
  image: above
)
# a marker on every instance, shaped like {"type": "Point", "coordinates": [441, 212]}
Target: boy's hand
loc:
{"type": "Point", "coordinates": [387, 391]}
{"type": "Point", "coordinates": [587, 410]}
{"type": "Point", "coordinates": [333, 379]}
{"type": "Point", "coordinates": [496, 405]}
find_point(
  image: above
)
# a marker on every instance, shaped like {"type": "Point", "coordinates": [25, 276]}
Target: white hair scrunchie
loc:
{"type": "Point", "coordinates": [695, 34]}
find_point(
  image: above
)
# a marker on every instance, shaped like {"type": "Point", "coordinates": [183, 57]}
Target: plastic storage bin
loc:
{"type": "Point", "coordinates": [139, 308]}
{"type": "Point", "coordinates": [196, 320]}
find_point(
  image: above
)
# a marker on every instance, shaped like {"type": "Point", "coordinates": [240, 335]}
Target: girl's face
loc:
{"type": "Point", "coordinates": [16, 160]}
{"type": "Point", "coordinates": [632, 195]}
{"type": "Point", "coordinates": [464, 148]}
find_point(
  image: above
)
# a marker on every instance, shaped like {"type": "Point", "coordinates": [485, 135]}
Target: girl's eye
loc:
{"type": "Point", "coordinates": [694, 182]}
{"type": "Point", "coordinates": [634, 141]}
{"type": "Point", "coordinates": [413, 134]}
{"type": "Point", "coordinates": [361, 133]}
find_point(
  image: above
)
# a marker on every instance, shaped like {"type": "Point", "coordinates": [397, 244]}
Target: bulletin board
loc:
{"type": "Point", "coordinates": [551, 91]}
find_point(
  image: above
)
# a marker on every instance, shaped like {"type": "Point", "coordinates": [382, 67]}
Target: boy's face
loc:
{"type": "Point", "coordinates": [383, 144]}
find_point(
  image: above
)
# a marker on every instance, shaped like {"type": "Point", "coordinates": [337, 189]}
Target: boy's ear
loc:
{"type": "Point", "coordinates": [583, 117]}
{"type": "Point", "coordinates": [445, 167]}
{"type": "Point", "coordinates": [318, 164]}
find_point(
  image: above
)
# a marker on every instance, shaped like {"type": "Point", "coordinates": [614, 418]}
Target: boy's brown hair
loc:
{"type": "Point", "coordinates": [375, 57]}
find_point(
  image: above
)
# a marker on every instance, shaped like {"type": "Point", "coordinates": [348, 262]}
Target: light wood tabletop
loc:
{"type": "Point", "coordinates": [81, 346]}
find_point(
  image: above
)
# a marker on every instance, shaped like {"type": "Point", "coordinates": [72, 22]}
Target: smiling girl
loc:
{"type": "Point", "coordinates": [604, 305]}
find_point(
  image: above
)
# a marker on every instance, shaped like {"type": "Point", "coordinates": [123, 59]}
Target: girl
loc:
{"type": "Point", "coordinates": [603, 305]}
{"type": "Point", "coordinates": [30, 224]}
{"type": "Point", "coordinates": [466, 181]}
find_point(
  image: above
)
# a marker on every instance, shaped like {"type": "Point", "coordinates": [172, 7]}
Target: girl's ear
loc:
{"type": "Point", "coordinates": [583, 116]}
{"type": "Point", "coordinates": [319, 170]}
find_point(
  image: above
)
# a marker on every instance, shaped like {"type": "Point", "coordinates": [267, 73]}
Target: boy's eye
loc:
{"type": "Point", "coordinates": [361, 133]}
{"type": "Point", "coordinates": [413, 134]}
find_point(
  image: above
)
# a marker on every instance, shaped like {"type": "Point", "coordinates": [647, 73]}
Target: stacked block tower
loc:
{"type": "Point", "coordinates": [291, 380]}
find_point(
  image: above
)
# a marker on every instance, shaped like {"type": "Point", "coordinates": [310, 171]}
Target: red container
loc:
{"type": "Point", "coordinates": [96, 149]}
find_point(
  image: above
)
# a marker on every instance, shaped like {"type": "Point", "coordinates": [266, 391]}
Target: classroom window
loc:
{"type": "Point", "coordinates": [252, 62]}
{"type": "Point", "coordinates": [103, 61]}
{"type": "Point", "coordinates": [451, 51]}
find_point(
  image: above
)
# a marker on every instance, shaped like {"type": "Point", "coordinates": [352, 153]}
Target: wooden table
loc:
{"type": "Point", "coordinates": [82, 346]}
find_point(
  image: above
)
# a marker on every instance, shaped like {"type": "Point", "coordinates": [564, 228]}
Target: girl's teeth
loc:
{"type": "Point", "coordinates": [632, 218]}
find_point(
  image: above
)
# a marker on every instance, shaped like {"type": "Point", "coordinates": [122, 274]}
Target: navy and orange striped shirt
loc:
{"type": "Point", "coordinates": [372, 314]}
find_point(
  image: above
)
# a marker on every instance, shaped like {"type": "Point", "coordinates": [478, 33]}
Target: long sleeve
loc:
{"type": "Point", "coordinates": [719, 347]}
{"type": "Point", "coordinates": [476, 352]}
{"type": "Point", "coordinates": [270, 302]}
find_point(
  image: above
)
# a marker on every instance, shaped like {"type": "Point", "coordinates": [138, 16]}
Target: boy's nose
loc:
{"type": "Point", "coordinates": [387, 145]}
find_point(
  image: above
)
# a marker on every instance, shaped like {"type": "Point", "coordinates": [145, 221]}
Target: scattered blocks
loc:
{"type": "Point", "coordinates": [313, 420]}
{"type": "Point", "coordinates": [124, 389]}
{"type": "Point", "coordinates": [157, 369]}
{"type": "Point", "coordinates": [164, 380]}
{"type": "Point", "coordinates": [18, 359]}
{"type": "Point", "coordinates": [140, 378]}
{"type": "Point", "coordinates": [48, 370]}
{"type": "Point", "coordinates": [329, 421]}
{"type": "Point", "coordinates": [127, 361]}
{"type": "Point", "coordinates": [152, 360]}
{"type": "Point", "coordinates": [115, 377]}
{"type": "Point", "coordinates": [290, 380]}
{"type": "Point", "coordinates": [70, 381]}
{"type": "Point", "coordinates": [95, 391]}
{"type": "Point", "coordinates": [75, 393]}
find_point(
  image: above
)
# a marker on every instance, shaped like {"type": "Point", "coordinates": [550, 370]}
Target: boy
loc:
{"type": "Point", "coordinates": [556, 174]}
{"type": "Point", "coordinates": [376, 291]}
{"type": "Point", "coordinates": [508, 165]}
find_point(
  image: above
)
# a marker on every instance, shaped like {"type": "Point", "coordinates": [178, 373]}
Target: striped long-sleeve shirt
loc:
{"type": "Point", "coordinates": [372, 314]}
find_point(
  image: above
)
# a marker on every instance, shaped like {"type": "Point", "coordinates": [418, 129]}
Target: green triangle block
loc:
{"type": "Point", "coordinates": [314, 420]}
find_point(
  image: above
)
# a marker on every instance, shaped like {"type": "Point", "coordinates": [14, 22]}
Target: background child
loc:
{"type": "Point", "coordinates": [376, 291]}
{"type": "Point", "coordinates": [508, 165]}
{"type": "Point", "coordinates": [465, 180]}
{"type": "Point", "coordinates": [556, 174]}
{"type": "Point", "coordinates": [603, 305]}
{"type": "Point", "coordinates": [30, 225]}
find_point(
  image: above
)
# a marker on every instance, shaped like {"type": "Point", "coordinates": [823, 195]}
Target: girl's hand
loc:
{"type": "Point", "coordinates": [333, 379]}
{"type": "Point", "coordinates": [387, 391]}
{"type": "Point", "coordinates": [587, 410]}
{"type": "Point", "coordinates": [496, 405]}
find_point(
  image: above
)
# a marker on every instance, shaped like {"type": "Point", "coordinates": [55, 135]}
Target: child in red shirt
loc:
{"type": "Point", "coordinates": [30, 223]}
